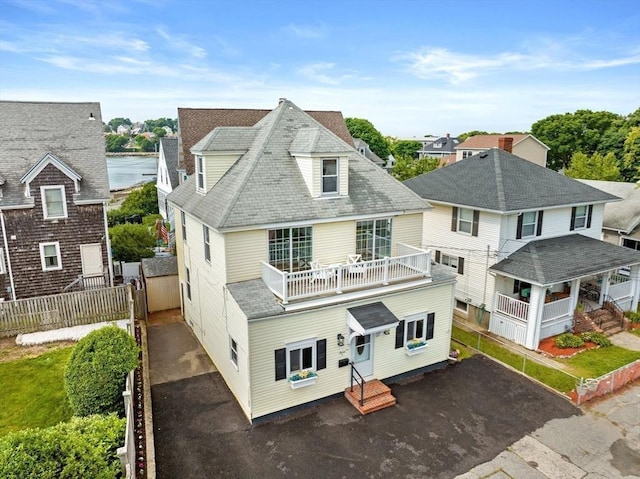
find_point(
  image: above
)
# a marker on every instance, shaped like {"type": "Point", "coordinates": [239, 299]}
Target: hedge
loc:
{"type": "Point", "coordinates": [82, 448]}
{"type": "Point", "coordinates": [97, 371]}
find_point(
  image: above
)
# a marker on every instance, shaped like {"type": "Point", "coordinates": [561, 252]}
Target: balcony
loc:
{"type": "Point", "coordinates": [411, 263]}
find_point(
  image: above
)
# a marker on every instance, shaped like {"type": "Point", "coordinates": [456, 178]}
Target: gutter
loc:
{"type": "Point", "coordinates": [6, 249]}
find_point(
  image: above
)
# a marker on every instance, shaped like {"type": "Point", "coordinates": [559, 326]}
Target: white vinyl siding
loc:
{"type": "Point", "coordinates": [531, 150]}
{"type": "Point", "coordinates": [306, 167]}
{"type": "Point", "coordinates": [245, 251]}
{"type": "Point", "coordinates": [332, 242]}
{"type": "Point", "coordinates": [266, 336]}
{"type": "Point", "coordinates": [407, 230]}
{"type": "Point", "coordinates": [216, 166]}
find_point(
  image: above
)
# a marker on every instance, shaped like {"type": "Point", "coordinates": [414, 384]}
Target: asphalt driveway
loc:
{"type": "Point", "coordinates": [445, 423]}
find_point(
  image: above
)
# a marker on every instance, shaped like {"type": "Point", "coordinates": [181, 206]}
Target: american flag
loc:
{"type": "Point", "coordinates": [161, 231]}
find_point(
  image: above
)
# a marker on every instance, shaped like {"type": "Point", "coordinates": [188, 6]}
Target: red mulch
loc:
{"type": "Point", "coordinates": [548, 346]}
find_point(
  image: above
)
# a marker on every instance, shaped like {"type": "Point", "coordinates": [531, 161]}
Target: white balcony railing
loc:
{"type": "Point", "coordinates": [412, 263]}
{"type": "Point", "coordinates": [557, 309]}
{"type": "Point", "coordinates": [512, 307]}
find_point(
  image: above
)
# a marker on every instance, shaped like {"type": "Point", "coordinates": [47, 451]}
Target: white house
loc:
{"type": "Point", "coordinates": [301, 267]}
{"type": "Point", "coordinates": [524, 242]}
{"type": "Point", "coordinates": [524, 146]}
{"type": "Point", "coordinates": [167, 176]}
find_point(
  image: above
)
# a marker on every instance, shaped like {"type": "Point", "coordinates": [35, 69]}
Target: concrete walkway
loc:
{"type": "Point", "coordinates": [626, 340]}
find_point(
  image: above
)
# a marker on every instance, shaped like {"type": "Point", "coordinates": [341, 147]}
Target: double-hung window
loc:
{"type": "Point", "coordinates": [54, 204]}
{"type": "Point", "coordinates": [455, 262]}
{"type": "Point", "coordinates": [373, 239]}
{"type": "Point", "coordinates": [183, 223]}
{"type": "Point", "coordinates": [50, 256]}
{"type": "Point", "coordinates": [465, 220]}
{"type": "Point", "coordinates": [188, 282]}
{"type": "Point", "coordinates": [233, 349]}
{"type": "Point", "coordinates": [207, 243]}
{"type": "Point", "coordinates": [301, 357]}
{"type": "Point", "coordinates": [415, 328]}
{"type": "Point", "coordinates": [529, 224]}
{"type": "Point", "coordinates": [290, 249]}
{"type": "Point", "coordinates": [329, 176]}
{"type": "Point", "coordinates": [581, 217]}
{"type": "Point", "coordinates": [200, 173]}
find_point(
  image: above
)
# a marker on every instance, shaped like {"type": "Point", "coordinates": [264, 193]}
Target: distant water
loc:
{"type": "Point", "coordinates": [126, 171]}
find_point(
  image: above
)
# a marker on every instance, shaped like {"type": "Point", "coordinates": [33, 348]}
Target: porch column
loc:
{"type": "Point", "coordinates": [634, 277]}
{"type": "Point", "coordinates": [534, 319]}
{"type": "Point", "coordinates": [604, 287]}
{"type": "Point", "coordinates": [575, 293]}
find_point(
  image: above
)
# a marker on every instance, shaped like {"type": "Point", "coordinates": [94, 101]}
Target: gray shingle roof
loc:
{"type": "Point", "coordinates": [226, 138]}
{"type": "Point", "coordinates": [564, 258]}
{"type": "Point", "coordinates": [500, 181]}
{"type": "Point", "coordinates": [170, 149]}
{"type": "Point", "coordinates": [30, 130]}
{"type": "Point", "coordinates": [622, 216]}
{"type": "Point", "coordinates": [373, 315]}
{"type": "Point", "coordinates": [265, 186]}
{"type": "Point", "coordinates": [159, 266]}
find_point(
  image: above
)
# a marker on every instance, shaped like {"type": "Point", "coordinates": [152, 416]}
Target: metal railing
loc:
{"type": "Point", "coordinates": [360, 383]}
{"type": "Point", "coordinates": [611, 305]}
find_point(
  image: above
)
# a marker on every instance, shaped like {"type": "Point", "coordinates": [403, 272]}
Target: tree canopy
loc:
{"type": "Point", "coordinates": [594, 167]}
{"type": "Point", "coordinates": [405, 149]}
{"type": "Point", "coordinates": [116, 122]}
{"type": "Point", "coordinates": [364, 129]}
{"type": "Point", "coordinates": [115, 143]}
{"type": "Point", "coordinates": [131, 242]}
{"type": "Point", "coordinates": [406, 168]}
{"type": "Point", "coordinates": [631, 157]}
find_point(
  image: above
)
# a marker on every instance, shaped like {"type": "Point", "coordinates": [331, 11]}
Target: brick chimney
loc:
{"type": "Point", "coordinates": [505, 143]}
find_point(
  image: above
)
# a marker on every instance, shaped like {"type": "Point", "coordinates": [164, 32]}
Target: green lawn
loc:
{"type": "Point", "coordinates": [594, 363]}
{"type": "Point", "coordinates": [32, 391]}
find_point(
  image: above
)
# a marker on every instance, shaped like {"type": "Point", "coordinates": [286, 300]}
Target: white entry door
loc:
{"type": "Point", "coordinates": [362, 354]}
{"type": "Point", "coordinates": [91, 255]}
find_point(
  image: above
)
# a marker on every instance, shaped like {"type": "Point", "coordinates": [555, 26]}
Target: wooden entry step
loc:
{"type": "Point", "coordinates": [377, 395]}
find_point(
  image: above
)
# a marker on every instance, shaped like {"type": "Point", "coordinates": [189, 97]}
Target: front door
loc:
{"type": "Point", "coordinates": [362, 355]}
{"type": "Point", "coordinates": [91, 255]}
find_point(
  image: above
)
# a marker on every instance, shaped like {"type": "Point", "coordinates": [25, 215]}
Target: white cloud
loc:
{"type": "Point", "coordinates": [306, 31]}
{"type": "Point", "coordinates": [180, 42]}
{"type": "Point", "coordinates": [324, 72]}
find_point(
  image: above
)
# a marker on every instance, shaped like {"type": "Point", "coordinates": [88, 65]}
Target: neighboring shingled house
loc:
{"type": "Point", "coordinates": [621, 223]}
{"type": "Point", "coordinates": [195, 123]}
{"type": "Point", "coordinates": [438, 148]}
{"type": "Point", "coordinates": [363, 148]}
{"type": "Point", "coordinates": [53, 196]}
{"type": "Point", "coordinates": [167, 176]}
{"type": "Point", "coordinates": [300, 267]}
{"type": "Point", "coordinates": [524, 145]}
{"type": "Point", "coordinates": [525, 244]}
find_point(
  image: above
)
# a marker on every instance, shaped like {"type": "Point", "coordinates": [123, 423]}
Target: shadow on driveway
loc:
{"type": "Point", "coordinates": [445, 423]}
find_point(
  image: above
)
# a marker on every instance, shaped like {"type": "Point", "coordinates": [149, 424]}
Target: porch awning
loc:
{"type": "Point", "coordinates": [554, 260]}
{"type": "Point", "coordinates": [371, 318]}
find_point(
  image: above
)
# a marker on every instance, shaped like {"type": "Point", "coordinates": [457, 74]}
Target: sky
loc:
{"type": "Point", "coordinates": [412, 68]}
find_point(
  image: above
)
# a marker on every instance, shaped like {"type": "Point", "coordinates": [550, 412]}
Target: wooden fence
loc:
{"type": "Point", "coordinates": [63, 310]}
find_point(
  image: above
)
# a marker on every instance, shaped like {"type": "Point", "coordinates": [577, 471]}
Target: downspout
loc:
{"type": "Point", "coordinates": [107, 242]}
{"type": "Point", "coordinates": [6, 249]}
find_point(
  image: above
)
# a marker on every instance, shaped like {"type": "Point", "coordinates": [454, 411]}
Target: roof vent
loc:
{"type": "Point", "coordinates": [484, 155]}
{"type": "Point", "coordinates": [91, 117]}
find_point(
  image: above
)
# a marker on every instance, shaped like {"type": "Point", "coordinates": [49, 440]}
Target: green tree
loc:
{"type": "Point", "coordinates": [406, 168]}
{"type": "Point", "coordinates": [363, 129]}
{"type": "Point", "coordinates": [405, 149]}
{"type": "Point", "coordinates": [631, 157]}
{"type": "Point", "coordinates": [568, 133]}
{"type": "Point", "coordinates": [116, 122]}
{"type": "Point", "coordinates": [141, 201]}
{"type": "Point", "coordinates": [159, 132]}
{"type": "Point", "coordinates": [594, 167]}
{"type": "Point", "coordinates": [131, 242]}
{"type": "Point", "coordinates": [464, 136]}
{"type": "Point", "coordinates": [145, 144]}
{"type": "Point", "coordinates": [115, 143]}
{"type": "Point", "coordinates": [150, 125]}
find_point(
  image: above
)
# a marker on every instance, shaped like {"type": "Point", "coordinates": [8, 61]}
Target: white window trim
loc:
{"type": "Point", "coordinates": [460, 220]}
{"type": "Point", "coordinates": [323, 176]}
{"type": "Point", "coordinates": [58, 257]}
{"type": "Point", "coordinates": [583, 217]}
{"type": "Point", "coordinates": [44, 202]}
{"type": "Point", "coordinates": [450, 262]}
{"type": "Point", "coordinates": [183, 224]}
{"type": "Point", "coordinates": [187, 281]}
{"type": "Point", "coordinates": [414, 318]}
{"type": "Point", "coordinates": [535, 225]}
{"type": "Point", "coordinates": [302, 345]}
{"type": "Point", "coordinates": [466, 308]}
{"type": "Point", "coordinates": [206, 239]}
{"type": "Point", "coordinates": [233, 351]}
{"type": "Point", "coordinates": [2, 268]}
{"type": "Point", "coordinates": [200, 174]}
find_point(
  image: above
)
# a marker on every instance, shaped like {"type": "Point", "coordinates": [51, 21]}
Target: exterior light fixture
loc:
{"type": "Point", "coordinates": [340, 339]}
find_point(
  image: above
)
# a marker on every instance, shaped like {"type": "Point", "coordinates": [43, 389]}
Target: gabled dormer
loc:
{"type": "Point", "coordinates": [53, 196]}
{"type": "Point", "coordinates": [217, 152]}
{"type": "Point", "coordinates": [323, 160]}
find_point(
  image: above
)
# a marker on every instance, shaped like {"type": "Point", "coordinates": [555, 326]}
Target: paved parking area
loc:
{"type": "Point", "coordinates": [444, 424]}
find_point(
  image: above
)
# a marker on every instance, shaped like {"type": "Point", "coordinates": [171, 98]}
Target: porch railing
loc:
{"type": "Point", "coordinates": [512, 307]}
{"type": "Point", "coordinates": [411, 263]}
{"type": "Point", "coordinates": [361, 382]}
{"type": "Point", "coordinates": [620, 290]}
{"type": "Point", "coordinates": [556, 309]}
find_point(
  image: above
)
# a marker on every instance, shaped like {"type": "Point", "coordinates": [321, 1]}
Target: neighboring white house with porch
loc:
{"type": "Point", "coordinates": [525, 244]}
{"type": "Point", "coordinates": [301, 267]}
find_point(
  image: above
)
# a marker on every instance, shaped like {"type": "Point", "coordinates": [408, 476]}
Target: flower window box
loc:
{"type": "Point", "coordinates": [302, 379]}
{"type": "Point", "coordinates": [415, 347]}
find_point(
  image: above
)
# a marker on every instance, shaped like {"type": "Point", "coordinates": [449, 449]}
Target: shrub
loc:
{"type": "Point", "coordinates": [569, 340]}
{"type": "Point", "coordinates": [83, 447]}
{"type": "Point", "coordinates": [97, 370]}
{"type": "Point", "coordinates": [634, 317]}
{"type": "Point", "coordinates": [597, 338]}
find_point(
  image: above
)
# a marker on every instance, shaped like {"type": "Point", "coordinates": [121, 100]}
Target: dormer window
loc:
{"type": "Point", "coordinates": [54, 205]}
{"type": "Point", "coordinates": [200, 173]}
{"type": "Point", "coordinates": [329, 176]}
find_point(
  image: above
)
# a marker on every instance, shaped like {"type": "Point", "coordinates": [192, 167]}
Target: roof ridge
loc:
{"type": "Point", "coordinates": [535, 262]}
{"type": "Point", "coordinates": [497, 164]}
{"type": "Point", "coordinates": [277, 113]}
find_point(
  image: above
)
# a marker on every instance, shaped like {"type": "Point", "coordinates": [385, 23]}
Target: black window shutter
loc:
{"type": "Point", "coordinates": [400, 335]}
{"type": "Point", "coordinates": [519, 227]}
{"type": "Point", "coordinates": [281, 364]}
{"type": "Point", "coordinates": [476, 220]}
{"type": "Point", "coordinates": [573, 219]}
{"type": "Point", "coordinates": [516, 286]}
{"type": "Point", "coordinates": [454, 219]}
{"type": "Point", "coordinates": [431, 319]}
{"type": "Point", "coordinates": [321, 354]}
{"type": "Point", "coordinates": [437, 256]}
{"type": "Point", "coordinates": [589, 216]}
{"type": "Point", "coordinates": [539, 228]}
{"type": "Point", "coordinates": [460, 265]}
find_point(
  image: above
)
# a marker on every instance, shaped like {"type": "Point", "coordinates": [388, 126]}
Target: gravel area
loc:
{"type": "Point", "coordinates": [74, 333]}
